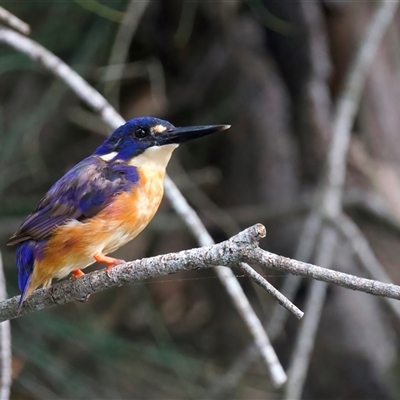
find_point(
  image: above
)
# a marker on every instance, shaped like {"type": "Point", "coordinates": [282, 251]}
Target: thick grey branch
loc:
{"type": "Point", "coordinates": [242, 247]}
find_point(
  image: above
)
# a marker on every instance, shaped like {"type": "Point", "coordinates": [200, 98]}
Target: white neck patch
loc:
{"type": "Point", "coordinates": [109, 156]}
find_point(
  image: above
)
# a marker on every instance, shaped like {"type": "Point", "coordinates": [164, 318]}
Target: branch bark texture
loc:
{"type": "Point", "coordinates": [229, 252]}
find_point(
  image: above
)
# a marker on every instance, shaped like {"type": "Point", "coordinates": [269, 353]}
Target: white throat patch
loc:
{"type": "Point", "coordinates": [156, 156]}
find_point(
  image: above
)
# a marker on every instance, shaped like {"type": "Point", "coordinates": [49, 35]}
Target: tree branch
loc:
{"type": "Point", "coordinates": [229, 252]}
{"type": "Point", "coordinates": [282, 300]}
{"type": "Point", "coordinates": [243, 247]}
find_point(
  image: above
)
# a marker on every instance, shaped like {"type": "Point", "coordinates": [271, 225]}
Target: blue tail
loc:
{"type": "Point", "coordinates": [27, 253]}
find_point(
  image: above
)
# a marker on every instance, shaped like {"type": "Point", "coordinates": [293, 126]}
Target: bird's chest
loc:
{"type": "Point", "coordinates": [131, 211]}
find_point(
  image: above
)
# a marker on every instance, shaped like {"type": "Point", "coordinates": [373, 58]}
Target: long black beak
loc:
{"type": "Point", "coordinates": [181, 135]}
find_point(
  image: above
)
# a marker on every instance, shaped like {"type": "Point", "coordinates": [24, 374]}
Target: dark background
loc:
{"type": "Point", "coordinates": [270, 69]}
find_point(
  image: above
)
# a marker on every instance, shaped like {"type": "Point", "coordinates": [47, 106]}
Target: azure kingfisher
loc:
{"type": "Point", "coordinates": [101, 204]}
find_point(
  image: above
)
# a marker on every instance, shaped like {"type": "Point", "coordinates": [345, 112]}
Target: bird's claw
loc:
{"type": "Point", "coordinates": [112, 265]}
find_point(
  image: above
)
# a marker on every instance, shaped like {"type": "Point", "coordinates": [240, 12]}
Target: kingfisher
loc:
{"type": "Point", "coordinates": [99, 205]}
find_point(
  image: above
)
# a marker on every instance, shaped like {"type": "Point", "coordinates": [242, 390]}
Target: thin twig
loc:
{"type": "Point", "coordinates": [260, 337]}
{"type": "Point", "coordinates": [14, 22]}
{"type": "Point", "coordinates": [5, 344]}
{"type": "Point", "coordinates": [282, 300]}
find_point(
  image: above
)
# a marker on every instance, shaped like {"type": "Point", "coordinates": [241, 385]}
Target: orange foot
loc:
{"type": "Point", "coordinates": [76, 273]}
{"type": "Point", "coordinates": [110, 261]}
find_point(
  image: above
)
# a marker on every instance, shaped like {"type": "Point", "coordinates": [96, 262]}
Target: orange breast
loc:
{"type": "Point", "coordinates": [73, 245]}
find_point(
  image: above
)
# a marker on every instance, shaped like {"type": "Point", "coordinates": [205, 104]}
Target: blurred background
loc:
{"type": "Point", "coordinates": [270, 69]}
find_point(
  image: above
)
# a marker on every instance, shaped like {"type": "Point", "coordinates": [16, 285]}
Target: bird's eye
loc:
{"type": "Point", "coordinates": [142, 132]}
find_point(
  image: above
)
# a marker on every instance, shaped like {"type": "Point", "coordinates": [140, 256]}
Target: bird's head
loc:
{"type": "Point", "coordinates": [151, 138]}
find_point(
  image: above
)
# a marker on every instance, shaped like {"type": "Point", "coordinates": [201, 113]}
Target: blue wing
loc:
{"type": "Point", "coordinates": [80, 194]}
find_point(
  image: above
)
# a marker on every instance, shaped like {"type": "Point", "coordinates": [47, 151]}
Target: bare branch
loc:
{"type": "Point", "coordinates": [228, 252]}
{"type": "Point", "coordinates": [14, 22]}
